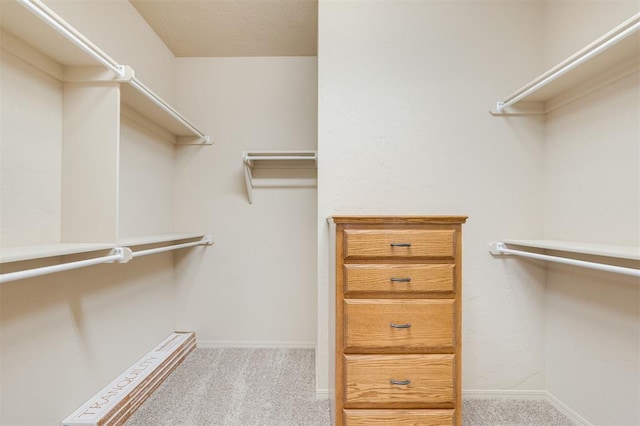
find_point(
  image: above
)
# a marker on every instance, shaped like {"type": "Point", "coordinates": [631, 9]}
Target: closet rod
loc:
{"type": "Point", "coordinates": [204, 241]}
{"type": "Point", "coordinates": [71, 34]}
{"type": "Point", "coordinates": [500, 248]}
{"type": "Point", "coordinates": [568, 67]}
{"type": "Point", "coordinates": [159, 102]}
{"type": "Point", "coordinates": [119, 255]}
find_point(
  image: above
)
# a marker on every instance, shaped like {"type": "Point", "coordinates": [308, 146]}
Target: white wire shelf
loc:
{"type": "Point", "coordinates": [32, 22]}
{"type": "Point", "coordinates": [612, 56]}
{"type": "Point", "coordinates": [278, 160]}
{"type": "Point", "coordinates": [621, 252]}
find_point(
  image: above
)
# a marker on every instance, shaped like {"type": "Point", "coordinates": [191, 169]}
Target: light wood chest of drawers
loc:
{"type": "Point", "coordinates": [396, 303]}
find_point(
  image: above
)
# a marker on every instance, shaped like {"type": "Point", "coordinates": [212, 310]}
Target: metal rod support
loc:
{"type": "Point", "coordinates": [500, 248]}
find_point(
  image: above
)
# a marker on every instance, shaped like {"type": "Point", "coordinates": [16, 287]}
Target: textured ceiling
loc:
{"type": "Point", "coordinates": [234, 27]}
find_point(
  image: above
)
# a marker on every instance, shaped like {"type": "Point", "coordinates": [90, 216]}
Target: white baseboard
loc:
{"type": "Point", "coordinates": [567, 411]}
{"type": "Point", "coordinates": [254, 344]}
{"type": "Point", "coordinates": [540, 395]}
{"type": "Point", "coordinates": [504, 394]}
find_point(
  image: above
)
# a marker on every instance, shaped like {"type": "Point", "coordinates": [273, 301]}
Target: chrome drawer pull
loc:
{"type": "Point", "coordinates": [400, 244]}
{"type": "Point", "coordinates": [400, 280]}
{"type": "Point", "coordinates": [400, 325]}
{"type": "Point", "coordinates": [399, 382]}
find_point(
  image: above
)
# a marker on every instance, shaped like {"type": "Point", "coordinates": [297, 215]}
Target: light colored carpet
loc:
{"type": "Point", "coordinates": [276, 387]}
{"type": "Point", "coordinates": [238, 387]}
{"type": "Point", "coordinates": [511, 412]}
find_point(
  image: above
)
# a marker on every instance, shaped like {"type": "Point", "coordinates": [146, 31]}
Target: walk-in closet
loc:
{"type": "Point", "coordinates": [320, 212]}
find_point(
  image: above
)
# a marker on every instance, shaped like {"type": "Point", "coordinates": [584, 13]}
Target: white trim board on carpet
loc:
{"type": "Point", "coordinates": [528, 394]}
{"type": "Point", "coordinates": [116, 402]}
{"type": "Point", "coordinates": [254, 344]}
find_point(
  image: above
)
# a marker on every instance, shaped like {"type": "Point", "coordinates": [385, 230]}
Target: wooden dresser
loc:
{"type": "Point", "coordinates": [396, 303]}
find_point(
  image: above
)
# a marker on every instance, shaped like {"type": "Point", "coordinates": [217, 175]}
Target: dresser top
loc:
{"type": "Point", "coordinates": [371, 220]}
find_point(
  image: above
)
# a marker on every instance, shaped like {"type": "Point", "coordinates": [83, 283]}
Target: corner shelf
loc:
{"type": "Point", "coordinates": [33, 23]}
{"type": "Point", "coordinates": [609, 58]}
{"type": "Point", "coordinates": [278, 160]}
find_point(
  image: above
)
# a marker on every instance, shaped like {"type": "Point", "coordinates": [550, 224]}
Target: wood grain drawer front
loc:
{"type": "Point", "coordinates": [402, 279]}
{"type": "Point", "coordinates": [398, 243]}
{"type": "Point", "coordinates": [399, 381]}
{"type": "Point", "coordinates": [412, 325]}
{"type": "Point", "coordinates": [399, 417]}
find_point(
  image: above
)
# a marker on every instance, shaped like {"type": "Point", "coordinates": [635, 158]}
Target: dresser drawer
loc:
{"type": "Point", "coordinates": [399, 381]}
{"type": "Point", "coordinates": [412, 325]}
{"type": "Point", "coordinates": [401, 279]}
{"type": "Point", "coordinates": [398, 243]}
{"type": "Point", "coordinates": [399, 417]}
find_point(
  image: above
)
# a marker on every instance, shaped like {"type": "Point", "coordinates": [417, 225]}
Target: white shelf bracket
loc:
{"type": "Point", "coordinates": [496, 248]}
{"type": "Point", "coordinates": [125, 254]}
{"type": "Point", "coordinates": [248, 178]}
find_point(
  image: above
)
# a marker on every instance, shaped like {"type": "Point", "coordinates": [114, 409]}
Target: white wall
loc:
{"type": "Point", "coordinates": [30, 209]}
{"type": "Point", "coordinates": [592, 194]}
{"type": "Point", "coordinates": [404, 93]}
{"type": "Point", "coordinates": [64, 336]}
{"type": "Point", "coordinates": [146, 182]}
{"type": "Point", "coordinates": [256, 285]}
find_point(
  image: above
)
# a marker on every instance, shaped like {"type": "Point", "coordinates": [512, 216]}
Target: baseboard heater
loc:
{"type": "Point", "coordinates": [116, 402]}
